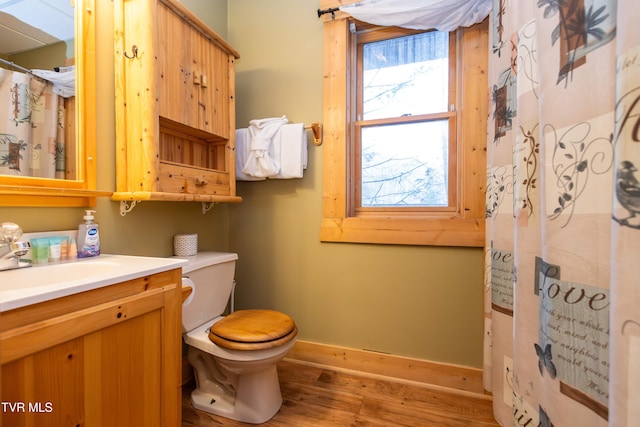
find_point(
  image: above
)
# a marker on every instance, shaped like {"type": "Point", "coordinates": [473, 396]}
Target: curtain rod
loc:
{"type": "Point", "coordinates": [331, 10]}
{"type": "Point", "coordinates": [14, 65]}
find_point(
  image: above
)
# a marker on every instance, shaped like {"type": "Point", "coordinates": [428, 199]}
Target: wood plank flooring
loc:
{"type": "Point", "coordinates": [316, 396]}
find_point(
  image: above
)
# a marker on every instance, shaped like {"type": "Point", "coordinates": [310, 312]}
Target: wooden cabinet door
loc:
{"type": "Point", "coordinates": [114, 364]}
{"type": "Point", "coordinates": [217, 92]}
{"type": "Point", "coordinates": [177, 58]}
{"type": "Point", "coordinates": [202, 80]}
{"type": "Point", "coordinates": [193, 76]}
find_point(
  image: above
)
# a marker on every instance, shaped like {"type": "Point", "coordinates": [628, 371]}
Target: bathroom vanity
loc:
{"type": "Point", "coordinates": [92, 350]}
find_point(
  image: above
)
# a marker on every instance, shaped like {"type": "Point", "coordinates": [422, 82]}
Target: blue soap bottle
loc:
{"type": "Point", "coordinates": [88, 237]}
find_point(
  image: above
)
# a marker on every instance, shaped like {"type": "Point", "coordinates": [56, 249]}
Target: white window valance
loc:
{"type": "Point", "coordinates": [64, 81]}
{"type": "Point", "coordinates": [443, 15]}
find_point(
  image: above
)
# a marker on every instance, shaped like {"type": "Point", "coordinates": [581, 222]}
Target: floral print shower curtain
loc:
{"type": "Point", "coordinates": [562, 311]}
{"type": "Point", "coordinates": [32, 122]}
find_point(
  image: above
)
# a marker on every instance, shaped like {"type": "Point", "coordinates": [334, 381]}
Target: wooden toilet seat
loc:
{"type": "Point", "coordinates": [253, 330]}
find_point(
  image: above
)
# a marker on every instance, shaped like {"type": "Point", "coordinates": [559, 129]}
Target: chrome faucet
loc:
{"type": "Point", "coordinates": [10, 249]}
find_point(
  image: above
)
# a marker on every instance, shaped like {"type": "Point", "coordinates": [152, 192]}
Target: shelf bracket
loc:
{"type": "Point", "coordinates": [207, 206]}
{"type": "Point", "coordinates": [126, 207]}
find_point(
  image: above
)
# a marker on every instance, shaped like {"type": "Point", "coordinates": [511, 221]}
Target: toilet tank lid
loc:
{"type": "Point", "coordinates": [205, 259]}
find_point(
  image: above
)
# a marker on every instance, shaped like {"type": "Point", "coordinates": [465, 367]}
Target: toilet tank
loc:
{"type": "Point", "coordinates": [211, 275]}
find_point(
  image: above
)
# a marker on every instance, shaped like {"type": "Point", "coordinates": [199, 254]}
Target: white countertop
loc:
{"type": "Point", "coordinates": [39, 283]}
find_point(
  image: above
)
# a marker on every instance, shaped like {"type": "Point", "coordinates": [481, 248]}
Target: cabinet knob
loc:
{"type": "Point", "coordinates": [201, 181]}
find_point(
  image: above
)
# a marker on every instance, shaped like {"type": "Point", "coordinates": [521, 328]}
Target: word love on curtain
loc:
{"type": "Point", "coordinates": [32, 127]}
{"type": "Point", "coordinates": [562, 305]}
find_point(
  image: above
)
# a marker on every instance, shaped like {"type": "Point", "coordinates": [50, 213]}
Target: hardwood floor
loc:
{"type": "Point", "coordinates": [315, 396]}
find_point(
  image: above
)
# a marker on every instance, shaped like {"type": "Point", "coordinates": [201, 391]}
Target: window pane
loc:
{"type": "Point", "coordinates": [405, 165]}
{"type": "Point", "coordinates": [406, 76]}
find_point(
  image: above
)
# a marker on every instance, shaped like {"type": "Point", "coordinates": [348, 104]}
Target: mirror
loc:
{"type": "Point", "coordinates": [56, 168]}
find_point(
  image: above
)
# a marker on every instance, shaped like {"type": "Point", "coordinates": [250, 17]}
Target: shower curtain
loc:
{"type": "Point", "coordinates": [562, 310]}
{"type": "Point", "coordinates": [32, 124]}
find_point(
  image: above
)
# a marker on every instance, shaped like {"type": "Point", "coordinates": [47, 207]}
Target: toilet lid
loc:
{"type": "Point", "coordinates": [253, 330]}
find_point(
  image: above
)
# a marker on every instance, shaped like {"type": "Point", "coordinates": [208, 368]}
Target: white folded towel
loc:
{"type": "Point", "coordinates": [262, 162]}
{"type": "Point", "coordinates": [283, 155]}
{"type": "Point", "coordinates": [290, 144]}
{"type": "Point", "coordinates": [242, 154]}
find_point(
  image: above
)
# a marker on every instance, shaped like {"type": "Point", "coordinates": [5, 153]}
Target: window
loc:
{"type": "Point", "coordinates": [405, 135]}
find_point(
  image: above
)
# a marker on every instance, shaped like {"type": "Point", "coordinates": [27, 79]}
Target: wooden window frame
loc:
{"type": "Point", "coordinates": [357, 123]}
{"type": "Point", "coordinates": [463, 226]}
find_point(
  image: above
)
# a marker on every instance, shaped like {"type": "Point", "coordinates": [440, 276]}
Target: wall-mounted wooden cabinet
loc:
{"type": "Point", "coordinates": [175, 105]}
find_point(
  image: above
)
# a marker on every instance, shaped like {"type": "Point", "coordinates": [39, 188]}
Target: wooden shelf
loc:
{"type": "Point", "coordinates": [173, 197]}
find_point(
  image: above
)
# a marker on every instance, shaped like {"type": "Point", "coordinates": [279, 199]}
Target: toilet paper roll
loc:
{"type": "Point", "coordinates": [185, 244]}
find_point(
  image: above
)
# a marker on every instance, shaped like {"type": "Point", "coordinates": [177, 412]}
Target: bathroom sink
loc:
{"type": "Point", "coordinates": [54, 273]}
{"type": "Point", "coordinates": [40, 283]}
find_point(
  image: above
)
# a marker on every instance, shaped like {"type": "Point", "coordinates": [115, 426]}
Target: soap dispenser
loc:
{"type": "Point", "coordinates": [88, 237]}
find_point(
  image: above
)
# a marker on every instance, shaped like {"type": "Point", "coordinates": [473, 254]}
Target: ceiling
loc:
{"type": "Point", "coordinates": [30, 24]}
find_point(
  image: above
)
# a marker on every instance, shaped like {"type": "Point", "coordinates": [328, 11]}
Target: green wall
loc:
{"type": "Point", "coordinates": [45, 58]}
{"type": "Point", "coordinates": [212, 12]}
{"type": "Point", "coordinates": [423, 302]}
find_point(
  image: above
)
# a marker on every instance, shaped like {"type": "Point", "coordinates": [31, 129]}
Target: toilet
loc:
{"type": "Point", "coordinates": [234, 357]}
